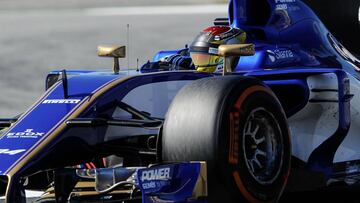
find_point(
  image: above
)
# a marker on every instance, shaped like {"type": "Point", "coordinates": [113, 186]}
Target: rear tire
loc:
{"type": "Point", "coordinates": [237, 125]}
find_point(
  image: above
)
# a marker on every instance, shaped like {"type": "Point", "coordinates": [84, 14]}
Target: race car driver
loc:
{"type": "Point", "coordinates": [204, 48]}
{"type": "Point", "coordinates": [202, 55]}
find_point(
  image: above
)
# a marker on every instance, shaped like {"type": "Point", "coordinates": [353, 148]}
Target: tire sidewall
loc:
{"type": "Point", "coordinates": [249, 188]}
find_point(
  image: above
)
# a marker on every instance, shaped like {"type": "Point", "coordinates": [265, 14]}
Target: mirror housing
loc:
{"type": "Point", "coordinates": [237, 50]}
{"type": "Point", "coordinates": [112, 51]}
{"type": "Point", "coordinates": [115, 52]}
{"type": "Point", "coordinates": [231, 50]}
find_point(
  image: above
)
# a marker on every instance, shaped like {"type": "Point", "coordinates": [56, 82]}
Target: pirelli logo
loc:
{"type": "Point", "coordinates": [11, 152]}
{"type": "Point", "coordinates": [234, 138]}
{"type": "Point", "coordinates": [61, 101]}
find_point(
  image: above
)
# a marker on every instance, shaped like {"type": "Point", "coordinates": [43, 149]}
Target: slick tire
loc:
{"type": "Point", "coordinates": [341, 17]}
{"type": "Point", "coordinates": [237, 125]}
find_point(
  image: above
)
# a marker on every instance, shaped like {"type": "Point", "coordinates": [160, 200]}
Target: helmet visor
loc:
{"type": "Point", "coordinates": [204, 60]}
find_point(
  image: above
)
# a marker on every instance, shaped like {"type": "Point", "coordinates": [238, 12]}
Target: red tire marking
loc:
{"type": "Point", "coordinates": [234, 140]}
{"type": "Point", "coordinates": [242, 188]}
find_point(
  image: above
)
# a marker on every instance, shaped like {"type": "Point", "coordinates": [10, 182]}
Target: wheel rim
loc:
{"type": "Point", "coordinates": [262, 146]}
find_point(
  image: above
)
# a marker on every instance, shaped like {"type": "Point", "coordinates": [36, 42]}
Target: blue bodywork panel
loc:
{"type": "Point", "coordinates": [287, 34]}
{"type": "Point", "coordinates": [174, 182]}
{"type": "Point", "coordinates": [35, 125]}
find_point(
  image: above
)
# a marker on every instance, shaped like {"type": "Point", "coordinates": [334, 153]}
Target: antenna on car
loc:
{"type": "Point", "coordinates": [128, 46]}
{"type": "Point", "coordinates": [65, 84]}
{"type": "Point", "coordinates": [137, 64]}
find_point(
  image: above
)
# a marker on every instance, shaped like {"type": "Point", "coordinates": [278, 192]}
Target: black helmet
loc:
{"type": "Point", "coordinates": [204, 49]}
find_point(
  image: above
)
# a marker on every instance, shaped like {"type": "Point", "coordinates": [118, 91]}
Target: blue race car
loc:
{"type": "Point", "coordinates": [256, 103]}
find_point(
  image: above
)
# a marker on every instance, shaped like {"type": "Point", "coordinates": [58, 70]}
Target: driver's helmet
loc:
{"type": "Point", "coordinates": [204, 49]}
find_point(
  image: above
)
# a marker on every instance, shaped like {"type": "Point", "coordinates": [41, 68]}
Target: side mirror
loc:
{"type": "Point", "coordinates": [231, 50]}
{"type": "Point", "coordinates": [115, 52]}
{"type": "Point", "coordinates": [112, 51]}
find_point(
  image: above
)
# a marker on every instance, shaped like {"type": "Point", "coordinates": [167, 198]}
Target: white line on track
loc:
{"type": "Point", "coordinates": [159, 10]}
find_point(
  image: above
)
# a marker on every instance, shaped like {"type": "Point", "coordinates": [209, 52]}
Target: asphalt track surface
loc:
{"type": "Point", "coordinates": [38, 36]}
{"type": "Point", "coordinates": [36, 41]}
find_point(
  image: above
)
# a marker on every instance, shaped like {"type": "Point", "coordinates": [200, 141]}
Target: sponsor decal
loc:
{"type": "Point", "coordinates": [283, 4]}
{"type": "Point", "coordinates": [155, 178]}
{"type": "Point", "coordinates": [156, 174]}
{"type": "Point", "coordinates": [213, 50]}
{"type": "Point", "coordinates": [61, 101]}
{"type": "Point", "coordinates": [219, 68]}
{"type": "Point", "coordinates": [28, 133]}
{"type": "Point", "coordinates": [234, 139]}
{"type": "Point", "coordinates": [278, 54]}
{"type": "Point", "coordinates": [285, 1]}
{"type": "Point", "coordinates": [234, 32]}
{"type": "Point", "coordinates": [271, 56]}
{"type": "Point", "coordinates": [155, 185]}
{"type": "Point", "coordinates": [149, 185]}
{"type": "Point", "coordinates": [11, 152]}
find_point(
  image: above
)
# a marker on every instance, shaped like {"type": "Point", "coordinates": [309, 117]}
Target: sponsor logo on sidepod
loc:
{"type": "Point", "coordinates": [61, 101]}
{"type": "Point", "coordinates": [11, 152]}
{"type": "Point", "coordinates": [279, 54]}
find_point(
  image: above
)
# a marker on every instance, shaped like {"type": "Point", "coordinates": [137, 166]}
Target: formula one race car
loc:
{"type": "Point", "coordinates": [255, 104]}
